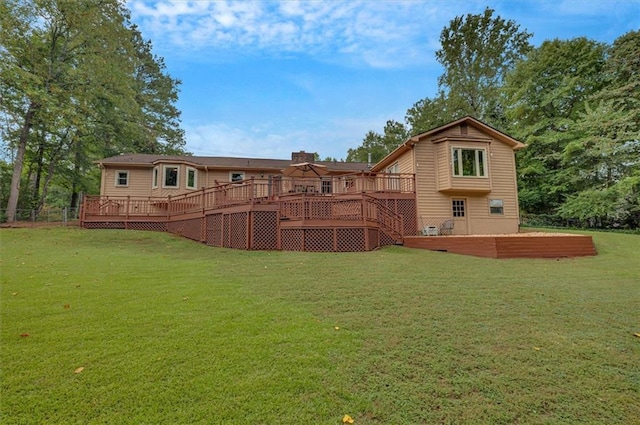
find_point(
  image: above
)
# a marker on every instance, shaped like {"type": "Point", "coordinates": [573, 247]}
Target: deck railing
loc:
{"type": "Point", "coordinates": [247, 192]}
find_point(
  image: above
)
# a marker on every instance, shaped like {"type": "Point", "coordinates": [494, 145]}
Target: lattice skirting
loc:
{"type": "Point", "coordinates": [104, 225]}
{"type": "Point", "coordinates": [148, 225]}
{"type": "Point", "coordinates": [191, 228]}
{"type": "Point", "coordinates": [227, 230]}
{"type": "Point", "coordinates": [350, 239]}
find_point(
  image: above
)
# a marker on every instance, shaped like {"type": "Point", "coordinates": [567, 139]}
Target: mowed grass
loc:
{"type": "Point", "coordinates": [169, 331]}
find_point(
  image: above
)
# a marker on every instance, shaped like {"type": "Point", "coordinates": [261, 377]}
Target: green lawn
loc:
{"type": "Point", "coordinates": [173, 332]}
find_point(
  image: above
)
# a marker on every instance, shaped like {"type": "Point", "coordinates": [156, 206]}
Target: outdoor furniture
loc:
{"type": "Point", "coordinates": [446, 228]}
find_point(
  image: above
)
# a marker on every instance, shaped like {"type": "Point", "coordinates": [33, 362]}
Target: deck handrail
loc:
{"type": "Point", "coordinates": [246, 192]}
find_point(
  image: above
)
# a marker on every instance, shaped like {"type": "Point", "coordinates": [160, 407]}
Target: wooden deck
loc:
{"type": "Point", "coordinates": [360, 215]}
{"type": "Point", "coordinates": [525, 245]}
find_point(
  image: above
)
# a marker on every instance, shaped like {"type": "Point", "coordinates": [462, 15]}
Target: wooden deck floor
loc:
{"type": "Point", "coordinates": [525, 245]}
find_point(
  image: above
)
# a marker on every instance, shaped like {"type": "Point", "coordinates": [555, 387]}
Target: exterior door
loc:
{"type": "Point", "coordinates": [459, 213]}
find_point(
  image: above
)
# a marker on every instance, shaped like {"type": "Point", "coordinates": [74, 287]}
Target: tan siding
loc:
{"type": "Point", "coordinates": [433, 171]}
{"type": "Point", "coordinates": [139, 182]}
{"type": "Point", "coordinates": [405, 163]}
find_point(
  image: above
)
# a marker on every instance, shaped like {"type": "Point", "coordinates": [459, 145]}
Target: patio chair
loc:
{"type": "Point", "coordinates": [446, 228]}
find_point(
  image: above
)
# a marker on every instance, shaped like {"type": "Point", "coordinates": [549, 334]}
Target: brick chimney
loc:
{"type": "Point", "coordinates": [302, 156]}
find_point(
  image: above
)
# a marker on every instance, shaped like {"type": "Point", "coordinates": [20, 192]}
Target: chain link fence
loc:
{"type": "Point", "coordinates": [63, 216]}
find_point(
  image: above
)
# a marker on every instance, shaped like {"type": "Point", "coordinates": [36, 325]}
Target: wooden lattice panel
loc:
{"type": "Point", "coordinates": [187, 228]}
{"type": "Point", "coordinates": [407, 208]}
{"type": "Point", "coordinates": [265, 230]}
{"type": "Point", "coordinates": [238, 230]}
{"type": "Point", "coordinates": [318, 240]}
{"type": "Point", "coordinates": [350, 239]}
{"type": "Point", "coordinates": [214, 230]}
{"type": "Point", "coordinates": [385, 239]}
{"type": "Point", "coordinates": [148, 225]}
{"type": "Point", "coordinates": [105, 225]}
{"type": "Point", "coordinates": [292, 239]}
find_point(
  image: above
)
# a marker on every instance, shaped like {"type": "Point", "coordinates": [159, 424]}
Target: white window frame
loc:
{"type": "Point", "coordinates": [155, 176]}
{"type": "Point", "coordinates": [117, 182]}
{"type": "Point", "coordinates": [498, 204]}
{"type": "Point", "coordinates": [164, 176]}
{"type": "Point", "coordinates": [481, 172]}
{"type": "Point", "coordinates": [241, 173]}
{"type": "Point", "coordinates": [195, 178]}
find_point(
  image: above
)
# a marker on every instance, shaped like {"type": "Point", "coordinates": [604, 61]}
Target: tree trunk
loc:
{"type": "Point", "coordinates": [14, 193]}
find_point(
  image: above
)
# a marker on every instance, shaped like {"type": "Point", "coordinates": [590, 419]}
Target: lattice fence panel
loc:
{"type": "Point", "coordinates": [318, 240]}
{"type": "Point", "coordinates": [407, 207]}
{"type": "Point", "coordinates": [351, 239]}
{"type": "Point", "coordinates": [214, 229]}
{"type": "Point", "coordinates": [265, 230]}
{"type": "Point", "coordinates": [105, 225]}
{"type": "Point", "coordinates": [238, 230]}
{"type": "Point", "coordinates": [319, 210]}
{"type": "Point", "coordinates": [187, 228]}
{"type": "Point", "coordinates": [226, 234]}
{"type": "Point", "coordinates": [373, 238]}
{"type": "Point", "coordinates": [292, 239]}
{"type": "Point", "coordinates": [385, 239]}
{"type": "Point", "coordinates": [148, 225]}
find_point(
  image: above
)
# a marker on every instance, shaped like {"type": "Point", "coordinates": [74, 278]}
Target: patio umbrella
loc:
{"type": "Point", "coordinates": [305, 169]}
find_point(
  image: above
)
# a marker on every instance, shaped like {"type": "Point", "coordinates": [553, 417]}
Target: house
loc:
{"type": "Point", "coordinates": [465, 177]}
{"type": "Point", "coordinates": [162, 176]}
{"type": "Point", "coordinates": [457, 179]}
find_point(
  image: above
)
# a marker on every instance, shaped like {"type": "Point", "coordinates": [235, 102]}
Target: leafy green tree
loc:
{"type": "Point", "coordinates": [428, 113]}
{"type": "Point", "coordinates": [78, 83]}
{"type": "Point", "coordinates": [379, 145]}
{"type": "Point", "coordinates": [477, 51]}
{"type": "Point", "coordinates": [544, 95]}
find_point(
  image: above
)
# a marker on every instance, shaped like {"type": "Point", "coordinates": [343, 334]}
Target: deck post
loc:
{"type": "Point", "coordinates": [168, 208]}
{"type": "Point", "coordinates": [126, 213]}
{"type": "Point", "coordinates": [203, 203]}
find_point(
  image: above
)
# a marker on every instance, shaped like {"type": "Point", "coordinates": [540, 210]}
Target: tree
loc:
{"type": "Point", "coordinates": [477, 51]}
{"type": "Point", "coordinates": [544, 95]}
{"type": "Point", "coordinates": [379, 145]}
{"type": "Point", "coordinates": [428, 113]}
{"type": "Point", "coordinates": [78, 82]}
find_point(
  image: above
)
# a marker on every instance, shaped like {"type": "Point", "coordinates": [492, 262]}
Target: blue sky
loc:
{"type": "Point", "coordinates": [262, 79]}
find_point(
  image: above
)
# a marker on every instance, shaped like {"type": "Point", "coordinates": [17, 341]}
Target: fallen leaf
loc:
{"type": "Point", "coordinates": [14, 293]}
{"type": "Point", "coordinates": [67, 306]}
{"type": "Point", "coordinates": [536, 348]}
{"type": "Point", "coordinates": [347, 419]}
{"type": "Point", "coordinates": [637, 334]}
{"type": "Point", "coordinates": [24, 335]}
{"type": "Point", "coordinates": [185, 299]}
{"type": "Point", "coordinates": [78, 370]}
{"type": "Point", "coordinates": [337, 328]}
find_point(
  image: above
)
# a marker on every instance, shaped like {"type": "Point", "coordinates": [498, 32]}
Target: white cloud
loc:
{"type": "Point", "coordinates": [371, 33]}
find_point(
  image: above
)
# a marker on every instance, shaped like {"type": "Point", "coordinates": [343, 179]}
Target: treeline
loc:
{"type": "Point", "coordinates": [77, 83]}
{"type": "Point", "coordinates": [575, 103]}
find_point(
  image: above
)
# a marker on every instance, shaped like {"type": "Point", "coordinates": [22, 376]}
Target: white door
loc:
{"type": "Point", "coordinates": [459, 214]}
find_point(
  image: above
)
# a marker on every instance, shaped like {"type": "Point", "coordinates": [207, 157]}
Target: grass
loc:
{"type": "Point", "coordinates": [171, 331]}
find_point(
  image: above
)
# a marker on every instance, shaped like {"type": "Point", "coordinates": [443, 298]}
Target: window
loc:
{"type": "Point", "coordinates": [394, 181]}
{"type": "Point", "coordinates": [192, 178]}
{"type": "Point", "coordinates": [155, 177]}
{"type": "Point", "coordinates": [122, 178]}
{"type": "Point", "coordinates": [327, 186]}
{"type": "Point", "coordinates": [457, 206]}
{"type": "Point", "coordinates": [236, 176]}
{"type": "Point", "coordinates": [170, 176]}
{"type": "Point", "coordinates": [469, 162]}
{"type": "Point", "coordinates": [496, 206]}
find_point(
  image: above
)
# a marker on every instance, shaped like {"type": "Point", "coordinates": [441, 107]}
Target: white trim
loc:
{"type": "Point", "coordinates": [126, 172]}
{"type": "Point", "coordinates": [485, 168]}
{"type": "Point", "coordinates": [155, 176]}
{"type": "Point", "coordinates": [164, 176]}
{"type": "Point", "coordinates": [195, 178]}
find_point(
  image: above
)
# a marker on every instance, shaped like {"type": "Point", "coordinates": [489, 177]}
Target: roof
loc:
{"type": "Point", "coordinates": [149, 160]}
{"type": "Point", "coordinates": [408, 144]}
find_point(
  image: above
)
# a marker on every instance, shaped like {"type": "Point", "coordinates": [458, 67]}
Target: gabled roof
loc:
{"type": "Point", "coordinates": [223, 162]}
{"type": "Point", "coordinates": [485, 128]}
